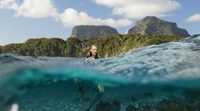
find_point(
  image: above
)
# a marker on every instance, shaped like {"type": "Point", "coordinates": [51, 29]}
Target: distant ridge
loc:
{"type": "Point", "coordinates": [83, 32]}
{"type": "Point", "coordinates": [196, 35]}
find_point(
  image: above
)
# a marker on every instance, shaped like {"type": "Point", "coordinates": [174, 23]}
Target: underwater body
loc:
{"type": "Point", "coordinates": [163, 77]}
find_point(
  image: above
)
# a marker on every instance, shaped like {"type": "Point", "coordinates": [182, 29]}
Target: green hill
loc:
{"type": "Point", "coordinates": [0, 49]}
{"type": "Point", "coordinates": [107, 46]}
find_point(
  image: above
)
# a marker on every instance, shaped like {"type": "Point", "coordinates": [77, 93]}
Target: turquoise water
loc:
{"type": "Point", "coordinates": [153, 78]}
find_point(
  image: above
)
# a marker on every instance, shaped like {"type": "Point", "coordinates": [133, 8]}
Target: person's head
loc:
{"type": "Point", "coordinates": [93, 51]}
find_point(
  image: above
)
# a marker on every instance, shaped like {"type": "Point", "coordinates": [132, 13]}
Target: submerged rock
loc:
{"type": "Point", "coordinates": [131, 108]}
{"type": "Point", "coordinates": [192, 95]}
{"type": "Point", "coordinates": [108, 106]}
{"type": "Point", "coordinates": [174, 105]}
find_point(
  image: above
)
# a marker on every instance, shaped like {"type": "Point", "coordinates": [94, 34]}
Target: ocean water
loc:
{"type": "Point", "coordinates": [163, 77]}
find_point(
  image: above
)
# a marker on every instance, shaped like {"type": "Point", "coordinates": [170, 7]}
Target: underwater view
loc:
{"type": "Point", "coordinates": [164, 77]}
{"type": "Point", "coordinates": [99, 55]}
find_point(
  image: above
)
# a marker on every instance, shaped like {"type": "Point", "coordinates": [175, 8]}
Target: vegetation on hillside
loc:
{"type": "Point", "coordinates": [10, 48]}
{"type": "Point", "coordinates": [0, 49]}
{"type": "Point", "coordinates": [107, 46]}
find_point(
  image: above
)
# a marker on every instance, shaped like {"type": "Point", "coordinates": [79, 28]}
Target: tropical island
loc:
{"type": "Point", "coordinates": [148, 31]}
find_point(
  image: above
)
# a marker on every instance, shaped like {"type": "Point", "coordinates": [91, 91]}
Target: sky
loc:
{"type": "Point", "coordinates": [24, 19]}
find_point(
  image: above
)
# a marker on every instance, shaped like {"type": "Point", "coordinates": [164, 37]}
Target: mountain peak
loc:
{"type": "Point", "coordinates": [154, 25]}
{"type": "Point", "coordinates": [150, 18]}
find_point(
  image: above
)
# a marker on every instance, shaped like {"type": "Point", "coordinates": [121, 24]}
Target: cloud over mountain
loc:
{"type": "Point", "coordinates": [70, 17]}
{"type": "Point", "coordinates": [140, 8]}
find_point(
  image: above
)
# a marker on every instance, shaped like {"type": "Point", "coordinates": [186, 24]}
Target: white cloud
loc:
{"type": "Point", "coordinates": [71, 17]}
{"type": "Point", "coordinates": [194, 18]}
{"type": "Point", "coordinates": [8, 4]}
{"type": "Point", "coordinates": [36, 9]}
{"type": "Point", "coordinates": [31, 8]}
{"type": "Point", "coordinates": [140, 8]}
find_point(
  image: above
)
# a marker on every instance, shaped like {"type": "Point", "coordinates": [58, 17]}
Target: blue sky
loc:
{"type": "Point", "coordinates": [24, 19]}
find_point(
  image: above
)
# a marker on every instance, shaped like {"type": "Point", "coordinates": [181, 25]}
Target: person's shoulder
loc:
{"type": "Point", "coordinates": [89, 58]}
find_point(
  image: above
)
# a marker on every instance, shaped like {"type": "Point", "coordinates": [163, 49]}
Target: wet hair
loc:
{"type": "Point", "coordinates": [90, 53]}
